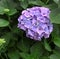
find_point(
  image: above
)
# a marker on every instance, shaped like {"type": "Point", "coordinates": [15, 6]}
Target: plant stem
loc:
{"type": "Point", "coordinates": [9, 24]}
{"type": "Point", "coordinates": [47, 1]}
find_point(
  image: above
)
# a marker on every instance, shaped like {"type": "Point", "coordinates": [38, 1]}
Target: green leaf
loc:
{"type": "Point", "coordinates": [23, 45]}
{"type": "Point", "coordinates": [7, 36]}
{"type": "Point", "coordinates": [56, 35]}
{"type": "Point", "coordinates": [6, 10]}
{"type": "Point", "coordinates": [36, 2]}
{"type": "Point", "coordinates": [13, 54]}
{"type": "Point", "coordinates": [21, 0]}
{"type": "Point", "coordinates": [24, 4]}
{"type": "Point", "coordinates": [25, 55]}
{"type": "Point", "coordinates": [51, 6]}
{"type": "Point", "coordinates": [55, 16]}
{"type": "Point", "coordinates": [36, 50]}
{"type": "Point", "coordinates": [59, 3]}
{"type": "Point", "coordinates": [2, 41]}
{"type": "Point", "coordinates": [17, 31]}
{"type": "Point", "coordinates": [8, 3]}
{"type": "Point", "coordinates": [56, 30]}
{"type": "Point", "coordinates": [56, 41]}
{"type": "Point", "coordinates": [12, 12]}
{"type": "Point", "coordinates": [54, 57]}
{"type": "Point", "coordinates": [44, 57]}
{"type": "Point", "coordinates": [56, 1]}
{"type": "Point", "coordinates": [47, 47]}
{"type": "Point", "coordinates": [47, 1]}
{"type": "Point", "coordinates": [3, 23]}
{"type": "Point", "coordinates": [2, 10]}
{"type": "Point", "coordinates": [7, 6]}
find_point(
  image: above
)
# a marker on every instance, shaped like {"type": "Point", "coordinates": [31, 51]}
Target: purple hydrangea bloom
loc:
{"type": "Point", "coordinates": [36, 22]}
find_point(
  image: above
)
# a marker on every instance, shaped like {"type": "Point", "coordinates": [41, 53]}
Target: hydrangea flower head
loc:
{"type": "Point", "coordinates": [36, 22]}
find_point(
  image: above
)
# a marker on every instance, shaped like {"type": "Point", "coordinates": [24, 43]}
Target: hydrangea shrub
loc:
{"type": "Point", "coordinates": [29, 29]}
{"type": "Point", "coordinates": [36, 22]}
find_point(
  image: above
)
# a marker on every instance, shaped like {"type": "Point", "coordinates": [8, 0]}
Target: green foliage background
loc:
{"type": "Point", "coordinates": [13, 42]}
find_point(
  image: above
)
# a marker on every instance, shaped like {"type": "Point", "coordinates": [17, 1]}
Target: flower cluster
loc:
{"type": "Point", "coordinates": [36, 22]}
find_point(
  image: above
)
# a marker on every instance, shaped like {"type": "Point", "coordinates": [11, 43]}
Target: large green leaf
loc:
{"type": "Point", "coordinates": [13, 54]}
{"type": "Point", "coordinates": [55, 55]}
{"type": "Point", "coordinates": [47, 47]}
{"type": "Point", "coordinates": [8, 3]}
{"type": "Point", "coordinates": [56, 30]}
{"type": "Point", "coordinates": [3, 23]}
{"type": "Point", "coordinates": [23, 45]}
{"type": "Point", "coordinates": [25, 55]}
{"type": "Point", "coordinates": [6, 37]}
{"type": "Point", "coordinates": [2, 10]}
{"type": "Point", "coordinates": [56, 41]}
{"type": "Point", "coordinates": [51, 6]}
{"type": "Point", "coordinates": [44, 57]}
{"type": "Point", "coordinates": [59, 3]}
{"type": "Point", "coordinates": [24, 4]}
{"type": "Point", "coordinates": [56, 35]}
{"type": "Point", "coordinates": [7, 6]}
{"type": "Point", "coordinates": [56, 1]}
{"type": "Point", "coordinates": [11, 12]}
{"type": "Point", "coordinates": [36, 50]}
{"type": "Point", "coordinates": [55, 16]}
{"type": "Point", "coordinates": [36, 2]}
